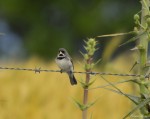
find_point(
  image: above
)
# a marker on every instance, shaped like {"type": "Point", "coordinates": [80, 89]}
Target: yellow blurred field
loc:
{"type": "Point", "coordinates": [26, 95]}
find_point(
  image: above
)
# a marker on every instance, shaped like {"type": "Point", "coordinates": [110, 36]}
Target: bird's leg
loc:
{"type": "Point", "coordinates": [70, 72]}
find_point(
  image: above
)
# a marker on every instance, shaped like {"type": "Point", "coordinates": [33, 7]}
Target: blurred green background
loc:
{"type": "Point", "coordinates": [41, 27]}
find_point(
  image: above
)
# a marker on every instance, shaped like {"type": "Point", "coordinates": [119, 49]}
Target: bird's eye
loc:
{"type": "Point", "coordinates": [63, 52]}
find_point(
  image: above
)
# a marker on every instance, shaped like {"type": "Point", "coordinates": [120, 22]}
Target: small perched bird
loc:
{"type": "Point", "coordinates": [64, 62]}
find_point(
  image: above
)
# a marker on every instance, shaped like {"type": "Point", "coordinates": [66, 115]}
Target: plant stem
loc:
{"type": "Point", "coordinates": [85, 95]}
{"type": "Point", "coordinates": [143, 42]}
{"type": "Point", "coordinates": [143, 39]}
{"type": "Point", "coordinates": [143, 49]}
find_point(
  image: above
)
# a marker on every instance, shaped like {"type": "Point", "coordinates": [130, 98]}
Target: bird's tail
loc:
{"type": "Point", "coordinates": [73, 80]}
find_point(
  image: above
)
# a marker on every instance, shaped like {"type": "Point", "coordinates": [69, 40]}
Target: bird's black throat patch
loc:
{"type": "Point", "coordinates": [60, 58]}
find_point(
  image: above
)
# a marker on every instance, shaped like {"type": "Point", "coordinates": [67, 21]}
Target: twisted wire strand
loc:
{"type": "Point", "coordinates": [39, 70]}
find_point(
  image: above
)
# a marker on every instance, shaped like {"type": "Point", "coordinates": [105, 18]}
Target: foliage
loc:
{"type": "Point", "coordinates": [45, 26]}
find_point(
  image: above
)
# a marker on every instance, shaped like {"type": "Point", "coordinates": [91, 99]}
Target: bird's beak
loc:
{"type": "Point", "coordinates": [61, 54]}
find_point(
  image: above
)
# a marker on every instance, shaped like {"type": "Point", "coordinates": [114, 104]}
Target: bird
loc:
{"type": "Point", "coordinates": [64, 62]}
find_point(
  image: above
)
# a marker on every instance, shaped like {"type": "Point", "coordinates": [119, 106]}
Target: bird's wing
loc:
{"type": "Point", "coordinates": [69, 58]}
{"type": "Point", "coordinates": [72, 63]}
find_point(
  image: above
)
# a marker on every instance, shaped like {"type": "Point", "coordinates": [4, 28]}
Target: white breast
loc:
{"type": "Point", "coordinates": [64, 64]}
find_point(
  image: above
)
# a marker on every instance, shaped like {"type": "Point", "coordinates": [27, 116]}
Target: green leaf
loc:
{"type": "Point", "coordinates": [81, 53]}
{"type": "Point", "coordinates": [120, 90]}
{"type": "Point", "coordinates": [91, 83]}
{"type": "Point", "coordinates": [90, 104]}
{"type": "Point", "coordinates": [86, 48]}
{"type": "Point", "coordinates": [85, 42]}
{"type": "Point", "coordinates": [133, 39]}
{"type": "Point", "coordinates": [84, 85]}
{"type": "Point", "coordinates": [146, 101]}
{"type": "Point", "coordinates": [136, 99]}
{"type": "Point", "coordinates": [116, 83]}
{"type": "Point", "coordinates": [98, 61]}
{"type": "Point", "coordinates": [116, 34]}
{"type": "Point", "coordinates": [81, 106]}
{"type": "Point", "coordinates": [144, 88]}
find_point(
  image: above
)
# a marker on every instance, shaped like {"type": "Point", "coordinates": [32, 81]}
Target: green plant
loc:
{"type": "Point", "coordinates": [142, 31]}
{"type": "Point", "coordinates": [142, 47]}
{"type": "Point", "coordinates": [90, 48]}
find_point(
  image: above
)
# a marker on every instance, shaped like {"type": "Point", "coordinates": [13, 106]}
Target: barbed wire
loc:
{"type": "Point", "coordinates": [39, 70]}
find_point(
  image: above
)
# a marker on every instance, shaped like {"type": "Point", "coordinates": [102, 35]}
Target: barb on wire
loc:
{"type": "Point", "coordinates": [39, 70]}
